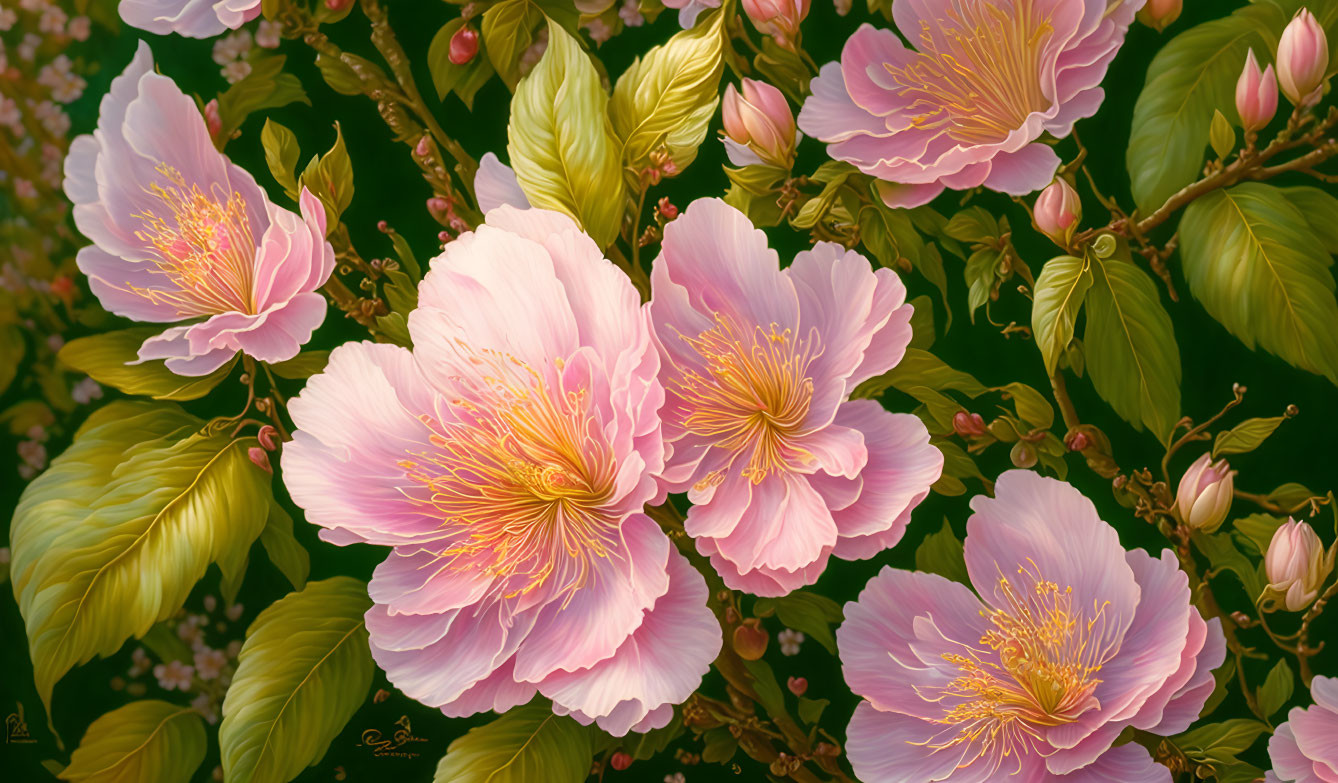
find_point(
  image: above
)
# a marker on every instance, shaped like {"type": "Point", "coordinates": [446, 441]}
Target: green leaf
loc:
{"type": "Point", "coordinates": [1030, 405]}
{"type": "Point", "coordinates": [668, 96]}
{"type": "Point", "coordinates": [562, 146]}
{"type": "Point", "coordinates": [12, 349]}
{"type": "Point", "coordinates": [761, 209]}
{"type": "Point", "coordinates": [810, 613]}
{"type": "Point", "coordinates": [768, 690]}
{"type": "Point", "coordinates": [921, 368]}
{"type": "Point", "coordinates": [302, 366]}
{"type": "Point", "coordinates": [1223, 555]}
{"type": "Point", "coordinates": [810, 710]}
{"type": "Point", "coordinates": [303, 671]}
{"type": "Point", "coordinates": [281, 546]}
{"type": "Point", "coordinates": [1132, 355]}
{"type": "Point", "coordinates": [106, 358]}
{"type": "Point", "coordinates": [113, 536]}
{"type": "Point", "coordinates": [719, 745]}
{"type": "Point", "coordinates": [144, 740]}
{"type": "Point", "coordinates": [1221, 136]}
{"type": "Point", "coordinates": [339, 75]}
{"type": "Point", "coordinates": [281, 153]}
{"type": "Point", "coordinates": [265, 87]}
{"type": "Point", "coordinates": [1258, 529]}
{"type": "Point", "coordinates": [922, 323]}
{"type": "Point", "coordinates": [974, 226]}
{"type": "Point", "coordinates": [526, 744]}
{"type": "Point", "coordinates": [1191, 77]}
{"type": "Point", "coordinates": [330, 179]}
{"type": "Point", "coordinates": [1246, 436]}
{"type": "Point", "coordinates": [957, 465]}
{"type": "Point", "coordinates": [942, 553]}
{"type": "Point", "coordinates": [1220, 742]}
{"type": "Point", "coordinates": [509, 28]}
{"type": "Point", "coordinates": [1320, 210]}
{"type": "Point", "coordinates": [981, 274]}
{"type": "Point", "coordinates": [1251, 258]}
{"type": "Point", "coordinates": [1277, 688]}
{"type": "Point", "coordinates": [1060, 290]}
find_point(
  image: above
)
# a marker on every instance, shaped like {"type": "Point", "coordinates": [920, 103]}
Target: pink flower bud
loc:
{"type": "Point", "coordinates": [1297, 564]}
{"type": "Point", "coordinates": [422, 148]}
{"type": "Point", "coordinates": [437, 204]}
{"type": "Point", "coordinates": [1077, 441]}
{"type": "Point", "coordinates": [777, 18]}
{"type": "Point", "coordinates": [1058, 210]}
{"type": "Point", "coordinates": [1256, 94]}
{"type": "Point", "coordinates": [1303, 59]}
{"type": "Point", "coordinates": [338, 5]}
{"type": "Point", "coordinates": [267, 437]}
{"type": "Point", "coordinates": [1204, 496]}
{"type": "Point", "coordinates": [620, 761]}
{"type": "Point", "coordinates": [464, 45]}
{"type": "Point", "coordinates": [797, 685]}
{"type": "Point", "coordinates": [260, 457]}
{"type": "Point", "coordinates": [667, 209]}
{"type": "Point", "coordinates": [1159, 14]}
{"type": "Point", "coordinates": [212, 120]}
{"type": "Point", "coordinates": [968, 425]}
{"type": "Point", "coordinates": [760, 120]}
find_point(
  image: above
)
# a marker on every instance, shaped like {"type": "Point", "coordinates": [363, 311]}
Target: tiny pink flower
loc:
{"type": "Point", "coordinates": [759, 125]}
{"type": "Point", "coordinates": [1256, 94]}
{"type": "Point", "coordinates": [209, 663]}
{"type": "Point", "coordinates": [236, 70]}
{"type": "Point", "coordinates": [1297, 564]}
{"type": "Point", "coordinates": [181, 233]}
{"type": "Point", "coordinates": [507, 460]}
{"type": "Point", "coordinates": [139, 662]}
{"type": "Point", "coordinates": [85, 391]}
{"type": "Point", "coordinates": [1303, 59]}
{"type": "Point", "coordinates": [630, 13]}
{"type": "Point", "coordinates": [1058, 210]}
{"type": "Point", "coordinates": [1205, 493]}
{"type": "Point", "coordinates": [213, 121]}
{"type": "Point", "coordinates": [1065, 641]}
{"type": "Point", "coordinates": [921, 121]}
{"type": "Point", "coordinates": [260, 458]}
{"type": "Point", "coordinates": [8, 16]}
{"type": "Point", "coordinates": [232, 47]}
{"type": "Point", "coordinates": [79, 28]}
{"type": "Point", "coordinates": [234, 612]}
{"type": "Point", "coordinates": [174, 676]}
{"type": "Point", "coordinates": [191, 18]}
{"type": "Point", "coordinates": [1303, 749]}
{"type": "Point", "coordinates": [268, 34]}
{"type": "Point", "coordinates": [789, 641]}
{"type": "Point", "coordinates": [210, 603]}
{"type": "Point", "coordinates": [204, 704]}
{"type": "Point", "coordinates": [689, 10]}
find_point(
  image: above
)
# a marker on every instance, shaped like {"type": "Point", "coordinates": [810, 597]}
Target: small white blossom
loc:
{"type": "Point", "coordinates": [236, 71]}
{"type": "Point", "coordinates": [631, 14]}
{"type": "Point", "coordinates": [268, 34]}
{"type": "Point", "coordinates": [789, 641]}
{"type": "Point", "coordinates": [174, 676]}
{"type": "Point", "coordinates": [232, 47]}
{"type": "Point", "coordinates": [86, 391]}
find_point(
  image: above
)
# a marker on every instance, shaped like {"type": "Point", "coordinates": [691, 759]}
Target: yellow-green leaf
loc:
{"type": "Point", "coordinates": [667, 98]}
{"type": "Point", "coordinates": [1246, 436]}
{"type": "Point", "coordinates": [113, 536]}
{"type": "Point", "coordinates": [283, 549]}
{"type": "Point", "coordinates": [329, 177]}
{"type": "Point", "coordinates": [303, 671]}
{"type": "Point", "coordinates": [562, 145]}
{"type": "Point", "coordinates": [106, 359]}
{"type": "Point", "coordinates": [526, 744]}
{"type": "Point", "coordinates": [281, 153]}
{"type": "Point", "coordinates": [1060, 291]}
{"type": "Point", "coordinates": [142, 741]}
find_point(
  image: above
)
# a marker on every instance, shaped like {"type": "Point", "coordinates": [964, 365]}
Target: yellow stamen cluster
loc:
{"type": "Point", "coordinates": [976, 76]}
{"type": "Point", "coordinates": [754, 397]}
{"type": "Point", "coordinates": [521, 478]}
{"type": "Point", "coordinates": [205, 247]}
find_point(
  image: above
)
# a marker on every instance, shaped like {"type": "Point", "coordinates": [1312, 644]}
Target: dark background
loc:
{"type": "Point", "coordinates": [389, 186]}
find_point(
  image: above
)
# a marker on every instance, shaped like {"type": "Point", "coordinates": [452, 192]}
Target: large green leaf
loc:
{"type": "Point", "coordinates": [1320, 209]}
{"type": "Point", "coordinates": [561, 143]}
{"type": "Point", "coordinates": [1060, 291]}
{"type": "Point", "coordinates": [526, 744]}
{"type": "Point", "coordinates": [1132, 355]}
{"type": "Point", "coordinates": [1258, 268]}
{"type": "Point", "coordinates": [304, 670]}
{"type": "Point", "coordinates": [142, 741]}
{"type": "Point", "coordinates": [106, 359]}
{"type": "Point", "coordinates": [1191, 77]}
{"type": "Point", "coordinates": [12, 349]}
{"type": "Point", "coordinates": [668, 97]}
{"type": "Point", "coordinates": [113, 536]}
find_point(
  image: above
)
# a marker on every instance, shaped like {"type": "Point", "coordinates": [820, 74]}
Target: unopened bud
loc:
{"type": "Point", "coordinates": [620, 761]}
{"type": "Point", "coordinates": [212, 120]}
{"type": "Point", "coordinates": [667, 209]}
{"type": "Point", "coordinates": [464, 45]}
{"type": "Point", "coordinates": [1159, 14]}
{"type": "Point", "coordinates": [1256, 94]}
{"type": "Point", "coordinates": [1077, 441]}
{"type": "Point", "coordinates": [260, 457]}
{"type": "Point", "coordinates": [968, 425]}
{"type": "Point", "coordinates": [437, 204]}
{"type": "Point", "coordinates": [777, 18]}
{"type": "Point", "coordinates": [338, 5]}
{"type": "Point", "coordinates": [797, 685]}
{"type": "Point", "coordinates": [1204, 495]}
{"type": "Point", "coordinates": [422, 148]}
{"type": "Point", "coordinates": [759, 126]}
{"type": "Point", "coordinates": [750, 639]}
{"type": "Point", "coordinates": [1023, 455]}
{"type": "Point", "coordinates": [1297, 564]}
{"type": "Point", "coordinates": [1303, 59]}
{"type": "Point", "coordinates": [1058, 210]}
{"type": "Point", "coordinates": [267, 437]}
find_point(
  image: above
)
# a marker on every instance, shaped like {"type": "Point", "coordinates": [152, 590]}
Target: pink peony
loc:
{"type": "Point", "coordinates": [967, 105]}
{"type": "Point", "coordinates": [1305, 748]}
{"type": "Point", "coordinates": [507, 459]}
{"type": "Point", "coordinates": [191, 18]}
{"type": "Point", "coordinates": [180, 233]}
{"type": "Point", "coordinates": [782, 467]}
{"type": "Point", "coordinates": [689, 10]}
{"type": "Point", "coordinates": [1070, 641]}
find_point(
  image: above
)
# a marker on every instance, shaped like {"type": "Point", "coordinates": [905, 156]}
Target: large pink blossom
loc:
{"type": "Point", "coordinates": [181, 233]}
{"type": "Point", "coordinates": [1066, 641]}
{"type": "Point", "coordinates": [191, 18]}
{"type": "Point", "coordinates": [507, 460]}
{"type": "Point", "coordinates": [1305, 748]}
{"type": "Point", "coordinates": [783, 469]}
{"type": "Point", "coordinates": [966, 106]}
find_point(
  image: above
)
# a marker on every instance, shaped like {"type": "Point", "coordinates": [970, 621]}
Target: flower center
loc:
{"type": "Point", "coordinates": [753, 398]}
{"type": "Point", "coordinates": [521, 479]}
{"type": "Point", "coordinates": [204, 245]}
{"type": "Point", "coordinates": [977, 73]}
{"type": "Point", "coordinates": [1036, 666]}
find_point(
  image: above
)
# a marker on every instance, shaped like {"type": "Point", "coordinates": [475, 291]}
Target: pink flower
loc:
{"type": "Point", "coordinates": [180, 233]}
{"type": "Point", "coordinates": [1066, 641]}
{"type": "Point", "coordinates": [1297, 565]}
{"type": "Point", "coordinates": [1305, 748]}
{"type": "Point", "coordinates": [759, 126]}
{"type": "Point", "coordinates": [191, 18]}
{"type": "Point", "coordinates": [1058, 210]}
{"type": "Point", "coordinates": [966, 106]}
{"type": "Point", "coordinates": [507, 460]}
{"type": "Point", "coordinates": [778, 18]}
{"type": "Point", "coordinates": [1303, 59]}
{"type": "Point", "coordinates": [1256, 94]}
{"type": "Point", "coordinates": [783, 470]}
{"type": "Point", "coordinates": [496, 184]}
{"type": "Point", "coordinates": [1204, 496]}
{"type": "Point", "coordinates": [689, 10]}
{"type": "Point", "coordinates": [174, 676]}
{"type": "Point", "coordinates": [210, 662]}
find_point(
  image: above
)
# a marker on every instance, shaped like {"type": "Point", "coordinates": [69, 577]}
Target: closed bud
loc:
{"type": "Point", "coordinates": [797, 685]}
{"type": "Point", "coordinates": [268, 437]}
{"type": "Point", "coordinates": [464, 45]}
{"type": "Point", "coordinates": [260, 457]}
{"type": "Point", "coordinates": [1077, 441]}
{"type": "Point", "coordinates": [1297, 564]}
{"type": "Point", "coordinates": [1058, 210]}
{"type": "Point", "coordinates": [1204, 496]}
{"type": "Point", "coordinates": [1159, 14]}
{"type": "Point", "coordinates": [750, 639]}
{"type": "Point", "coordinates": [620, 761]}
{"type": "Point", "coordinates": [1256, 94]}
{"type": "Point", "coordinates": [1221, 136]}
{"type": "Point", "coordinates": [338, 5]}
{"type": "Point", "coordinates": [777, 18]}
{"type": "Point", "coordinates": [1022, 455]}
{"type": "Point", "coordinates": [759, 126]}
{"type": "Point", "coordinates": [1303, 59]}
{"type": "Point", "coordinates": [968, 425]}
{"type": "Point", "coordinates": [212, 120]}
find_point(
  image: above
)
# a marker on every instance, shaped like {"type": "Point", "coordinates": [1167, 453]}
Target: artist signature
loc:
{"type": "Point", "coordinates": [392, 746]}
{"type": "Point", "coordinates": [16, 728]}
